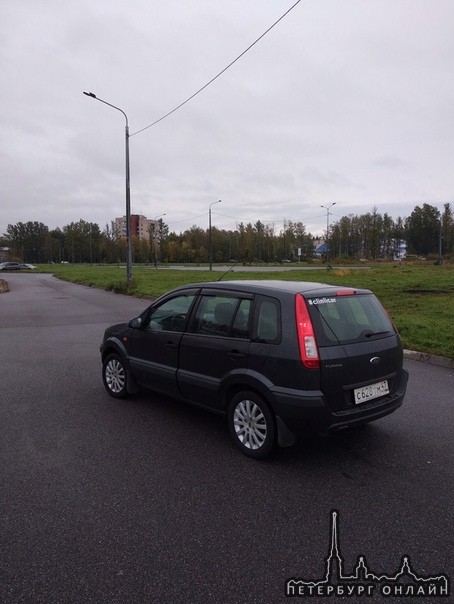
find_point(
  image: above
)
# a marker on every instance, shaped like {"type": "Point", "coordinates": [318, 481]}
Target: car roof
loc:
{"type": "Point", "coordinates": [272, 285]}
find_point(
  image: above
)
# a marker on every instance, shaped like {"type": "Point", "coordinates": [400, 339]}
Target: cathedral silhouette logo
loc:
{"type": "Point", "coordinates": [363, 582]}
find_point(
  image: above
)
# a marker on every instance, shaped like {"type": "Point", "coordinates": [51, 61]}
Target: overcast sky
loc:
{"type": "Point", "coordinates": [345, 101]}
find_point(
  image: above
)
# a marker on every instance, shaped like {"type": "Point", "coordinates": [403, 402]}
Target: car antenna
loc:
{"type": "Point", "coordinates": [227, 271]}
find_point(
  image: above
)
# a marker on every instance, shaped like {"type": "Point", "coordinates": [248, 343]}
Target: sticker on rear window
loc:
{"type": "Point", "coordinates": [317, 301]}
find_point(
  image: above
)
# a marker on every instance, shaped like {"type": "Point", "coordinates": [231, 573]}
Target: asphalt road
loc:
{"type": "Point", "coordinates": [148, 501]}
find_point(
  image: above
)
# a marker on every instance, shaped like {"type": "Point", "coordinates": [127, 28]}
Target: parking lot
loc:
{"type": "Point", "coordinates": [147, 500]}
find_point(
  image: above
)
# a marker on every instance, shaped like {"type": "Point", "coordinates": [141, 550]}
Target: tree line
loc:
{"type": "Point", "coordinates": [427, 231]}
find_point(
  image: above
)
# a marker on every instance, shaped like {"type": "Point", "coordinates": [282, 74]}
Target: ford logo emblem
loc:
{"type": "Point", "coordinates": [375, 360]}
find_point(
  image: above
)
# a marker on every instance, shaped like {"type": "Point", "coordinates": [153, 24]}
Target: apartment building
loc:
{"type": "Point", "coordinates": [140, 226]}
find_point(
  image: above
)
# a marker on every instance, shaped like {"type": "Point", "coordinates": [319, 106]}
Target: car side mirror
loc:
{"type": "Point", "coordinates": [135, 323]}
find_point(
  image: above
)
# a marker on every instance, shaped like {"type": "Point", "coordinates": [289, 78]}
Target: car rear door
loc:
{"type": "Point", "coordinates": [216, 346]}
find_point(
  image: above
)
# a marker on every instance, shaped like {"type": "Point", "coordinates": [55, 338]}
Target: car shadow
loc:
{"type": "Point", "coordinates": [193, 425]}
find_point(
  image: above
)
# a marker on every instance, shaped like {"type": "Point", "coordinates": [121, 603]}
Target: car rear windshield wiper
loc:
{"type": "Point", "coordinates": [368, 333]}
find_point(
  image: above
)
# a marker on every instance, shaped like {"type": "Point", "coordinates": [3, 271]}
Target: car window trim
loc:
{"type": "Point", "coordinates": [226, 293]}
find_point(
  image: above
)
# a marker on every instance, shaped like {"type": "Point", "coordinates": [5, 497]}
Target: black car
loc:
{"type": "Point", "coordinates": [277, 358]}
{"type": "Point", "coordinates": [10, 266]}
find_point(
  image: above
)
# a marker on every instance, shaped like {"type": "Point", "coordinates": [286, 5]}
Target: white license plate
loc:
{"type": "Point", "coordinates": [367, 393]}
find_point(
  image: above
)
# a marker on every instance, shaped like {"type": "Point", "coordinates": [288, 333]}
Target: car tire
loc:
{"type": "Point", "coordinates": [114, 376]}
{"type": "Point", "coordinates": [251, 424]}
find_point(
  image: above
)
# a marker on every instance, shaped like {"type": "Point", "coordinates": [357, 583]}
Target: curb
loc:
{"type": "Point", "coordinates": [424, 357]}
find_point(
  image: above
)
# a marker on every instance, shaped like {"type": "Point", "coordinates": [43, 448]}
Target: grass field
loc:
{"type": "Point", "coordinates": [419, 297]}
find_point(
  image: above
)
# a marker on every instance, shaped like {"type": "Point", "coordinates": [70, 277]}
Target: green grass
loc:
{"type": "Point", "coordinates": [419, 298]}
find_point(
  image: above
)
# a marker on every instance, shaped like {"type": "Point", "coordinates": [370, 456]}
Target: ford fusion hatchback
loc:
{"type": "Point", "coordinates": [277, 358]}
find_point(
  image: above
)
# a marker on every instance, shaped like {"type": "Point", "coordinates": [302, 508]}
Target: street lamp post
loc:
{"type": "Point", "coordinates": [327, 208]}
{"type": "Point", "coordinates": [210, 248]}
{"type": "Point", "coordinates": [440, 239]}
{"type": "Point", "coordinates": [128, 189]}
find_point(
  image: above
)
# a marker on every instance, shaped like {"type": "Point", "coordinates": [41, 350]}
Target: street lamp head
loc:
{"type": "Point", "coordinates": [93, 96]}
{"type": "Point", "coordinates": [218, 201]}
{"type": "Point", "coordinates": [330, 206]}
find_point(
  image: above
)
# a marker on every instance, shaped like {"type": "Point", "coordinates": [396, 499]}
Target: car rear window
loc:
{"type": "Point", "coordinates": [268, 320]}
{"type": "Point", "coordinates": [348, 318]}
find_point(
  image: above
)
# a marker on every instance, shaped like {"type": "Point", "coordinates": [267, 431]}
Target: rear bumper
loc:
{"type": "Point", "coordinates": [304, 411]}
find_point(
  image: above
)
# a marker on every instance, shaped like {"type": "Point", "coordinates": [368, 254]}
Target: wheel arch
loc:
{"type": "Point", "coordinates": [114, 345]}
{"type": "Point", "coordinates": [233, 386]}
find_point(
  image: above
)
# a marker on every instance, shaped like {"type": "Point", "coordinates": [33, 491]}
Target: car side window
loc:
{"type": "Point", "coordinates": [268, 321]}
{"type": "Point", "coordinates": [226, 316]}
{"type": "Point", "coordinates": [171, 315]}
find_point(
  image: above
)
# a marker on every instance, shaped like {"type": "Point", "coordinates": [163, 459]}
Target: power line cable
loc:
{"type": "Point", "coordinates": [190, 218]}
{"type": "Point", "coordinates": [218, 75]}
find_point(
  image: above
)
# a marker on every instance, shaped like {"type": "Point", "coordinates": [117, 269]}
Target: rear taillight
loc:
{"type": "Point", "coordinates": [306, 334]}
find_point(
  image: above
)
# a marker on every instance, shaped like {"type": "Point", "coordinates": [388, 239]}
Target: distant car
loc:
{"type": "Point", "coordinates": [10, 266]}
{"type": "Point", "coordinates": [286, 261]}
{"type": "Point", "coordinates": [28, 266]}
{"type": "Point", "coordinates": [277, 358]}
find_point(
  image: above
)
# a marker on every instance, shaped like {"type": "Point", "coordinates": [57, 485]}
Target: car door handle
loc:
{"type": "Point", "coordinates": [170, 344]}
{"type": "Point", "coordinates": [235, 354]}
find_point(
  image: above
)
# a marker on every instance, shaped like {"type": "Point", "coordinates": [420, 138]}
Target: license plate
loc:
{"type": "Point", "coordinates": [367, 393]}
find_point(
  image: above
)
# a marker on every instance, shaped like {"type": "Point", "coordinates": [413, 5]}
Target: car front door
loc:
{"type": "Point", "coordinates": [154, 347]}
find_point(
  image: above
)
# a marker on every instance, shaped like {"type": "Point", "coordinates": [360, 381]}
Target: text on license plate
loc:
{"type": "Point", "coordinates": [367, 393]}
